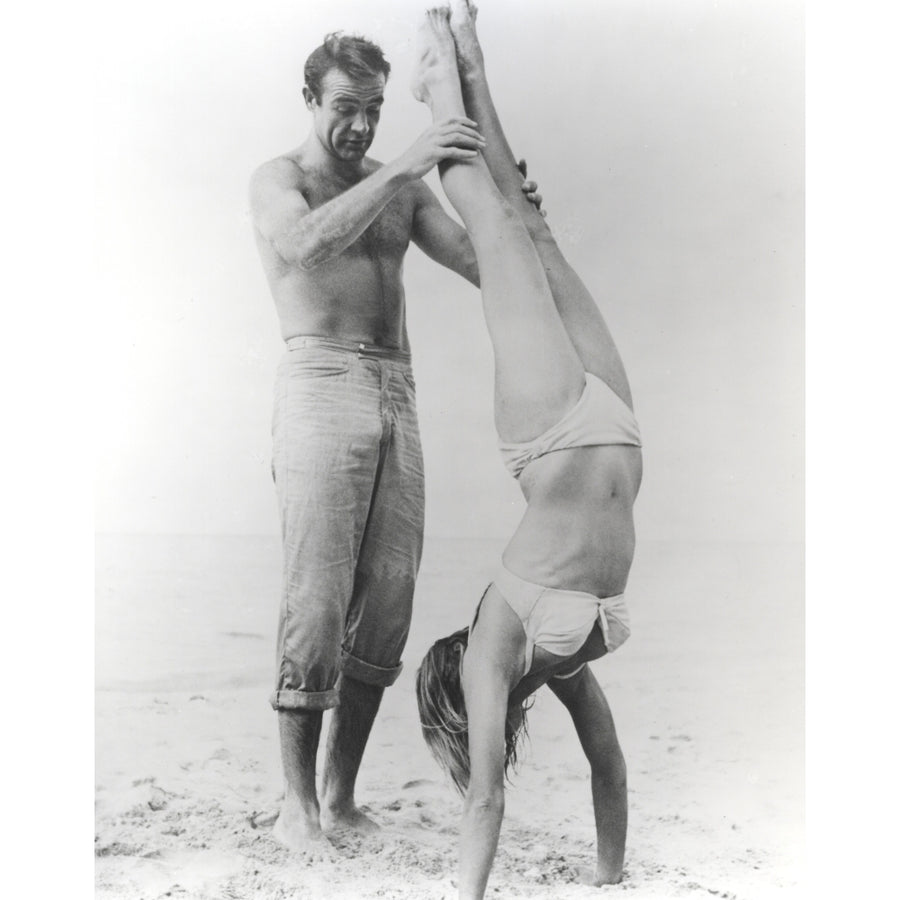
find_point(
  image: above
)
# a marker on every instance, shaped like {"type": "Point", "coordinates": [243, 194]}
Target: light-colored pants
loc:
{"type": "Point", "coordinates": [347, 464]}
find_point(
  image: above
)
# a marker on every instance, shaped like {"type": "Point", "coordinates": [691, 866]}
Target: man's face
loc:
{"type": "Point", "coordinates": [347, 116]}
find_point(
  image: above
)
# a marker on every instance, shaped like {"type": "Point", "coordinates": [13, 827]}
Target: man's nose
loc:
{"type": "Point", "coordinates": [360, 123]}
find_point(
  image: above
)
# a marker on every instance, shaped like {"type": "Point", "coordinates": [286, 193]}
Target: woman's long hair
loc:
{"type": "Point", "coordinates": [442, 711]}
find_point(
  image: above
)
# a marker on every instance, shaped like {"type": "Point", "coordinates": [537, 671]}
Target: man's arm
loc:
{"type": "Point", "coordinates": [442, 238]}
{"type": "Point", "coordinates": [307, 237]}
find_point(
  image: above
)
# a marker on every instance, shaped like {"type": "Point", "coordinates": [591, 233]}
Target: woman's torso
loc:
{"type": "Point", "coordinates": [578, 530]}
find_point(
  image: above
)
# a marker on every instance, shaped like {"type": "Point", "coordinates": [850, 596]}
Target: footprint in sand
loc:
{"type": "Point", "coordinates": [725, 895]}
{"type": "Point", "coordinates": [416, 782]}
{"type": "Point", "coordinates": [263, 819]}
{"type": "Point", "coordinates": [158, 799]}
{"type": "Point", "coordinates": [116, 848]}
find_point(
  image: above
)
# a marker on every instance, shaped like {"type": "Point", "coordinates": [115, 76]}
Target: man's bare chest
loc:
{"type": "Point", "coordinates": [388, 234]}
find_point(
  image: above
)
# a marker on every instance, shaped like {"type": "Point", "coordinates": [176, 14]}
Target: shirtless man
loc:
{"type": "Point", "coordinates": [332, 227]}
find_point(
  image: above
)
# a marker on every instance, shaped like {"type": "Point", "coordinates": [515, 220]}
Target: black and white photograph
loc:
{"type": "Point", "coordinates": [449, 501]}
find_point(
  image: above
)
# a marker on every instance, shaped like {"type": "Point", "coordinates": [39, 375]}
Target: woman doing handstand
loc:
{"type": "Point", "coordinates": [564, 419]}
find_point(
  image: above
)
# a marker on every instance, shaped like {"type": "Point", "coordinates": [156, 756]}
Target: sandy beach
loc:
{"type": "Point", "coordinates": [707, 696]}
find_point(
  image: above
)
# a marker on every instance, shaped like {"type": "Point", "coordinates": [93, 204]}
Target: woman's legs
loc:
{"type": "Point", "coordinates": [581, 317]}
{"type": "Point", "coordinates": [538, 375]}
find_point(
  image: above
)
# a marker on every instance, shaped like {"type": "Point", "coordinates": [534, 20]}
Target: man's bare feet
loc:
{"type": "Point", "coordinates": [590, 876]}
{"type": "Point", "coordinates": [462, 25]}
{"type": "Point", "coordinates": [352, 819]}
{"type": "Point", "coordinates": [436, 66]}
{"type": "Point", "coordinates": [297, 829]}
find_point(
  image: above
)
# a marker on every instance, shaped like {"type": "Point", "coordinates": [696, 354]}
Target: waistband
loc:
{"type": "Point", "coordinates": [511, 585]}
{"type": "Point", "coordinates": [363, 351]}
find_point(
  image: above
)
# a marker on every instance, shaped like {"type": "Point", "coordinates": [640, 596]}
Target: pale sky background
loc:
{"type": "Point", "coordinates": [668, 141]}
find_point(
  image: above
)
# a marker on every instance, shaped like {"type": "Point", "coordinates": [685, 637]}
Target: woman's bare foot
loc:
{"type": "Point", "coordinates": [436, 68]}
{"type": "Point", "coordinates": [462, 25]}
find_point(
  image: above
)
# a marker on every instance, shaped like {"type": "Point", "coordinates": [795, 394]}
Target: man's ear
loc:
{"type": "Point", "coordinates": [308, 98]}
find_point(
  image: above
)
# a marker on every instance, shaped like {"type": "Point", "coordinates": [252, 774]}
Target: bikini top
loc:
{"type": "Point", "coordinates": [599, 417]}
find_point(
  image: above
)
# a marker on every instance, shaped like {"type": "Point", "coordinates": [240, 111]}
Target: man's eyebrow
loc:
{"type": "Point", "coordinates": [354, 99]}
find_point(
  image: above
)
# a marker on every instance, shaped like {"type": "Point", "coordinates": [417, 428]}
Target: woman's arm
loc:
{"type": "Point", "coordinates": [487, 696]}
{"type": "Point", "coordinates": [494, 661]}
{"type": "Point", "coordinates": [591, 715]}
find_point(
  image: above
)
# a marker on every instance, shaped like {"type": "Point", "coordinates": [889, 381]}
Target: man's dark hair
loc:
{"type": "Point", "coordinates": [355, 55]}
